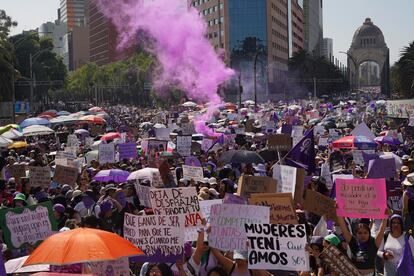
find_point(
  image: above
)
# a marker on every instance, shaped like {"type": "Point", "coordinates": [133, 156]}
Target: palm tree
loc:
{"type": "Point", "coordinates": [405, 68]}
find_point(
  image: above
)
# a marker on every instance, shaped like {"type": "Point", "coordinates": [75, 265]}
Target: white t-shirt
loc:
{"type": "Point", "coordinates": [83, 211]}
{"type": "Point", "coordinates": [190, 268]}
{"type": "Point", "coordinates": [396, 246]}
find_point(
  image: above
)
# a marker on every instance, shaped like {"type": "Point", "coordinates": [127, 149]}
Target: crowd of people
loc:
{"type": "Point", "coordinates": [373, 246]}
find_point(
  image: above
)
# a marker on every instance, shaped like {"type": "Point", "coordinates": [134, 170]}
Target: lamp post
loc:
{"type": "Point", "coordinates": [356, 69]}
{"type": "Point", "coordinates": [254, 79]}
{"type": "Point", "coordinates": [32, 58]}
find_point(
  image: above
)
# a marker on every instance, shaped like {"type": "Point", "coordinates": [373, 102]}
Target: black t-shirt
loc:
{"type": "Point", "coordinates": [363, 255]}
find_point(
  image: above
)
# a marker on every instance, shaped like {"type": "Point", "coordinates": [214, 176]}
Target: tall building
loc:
{"type": "Point", "coordinates": [327, 49]}
{"type": "Point", "coordinates": [72, 13]}
{"type": "Point", "coordinates": [55, 31]}
{"type": "Point", "coordinates": [313, 26]}
{"type": "Point", "coordinates": [269, 29]}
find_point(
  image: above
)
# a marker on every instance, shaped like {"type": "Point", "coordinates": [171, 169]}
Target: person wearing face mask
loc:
{"type": "Point", "coordinates": [363, 246]}
{"type": "Point", "coordinates": [391, 248]}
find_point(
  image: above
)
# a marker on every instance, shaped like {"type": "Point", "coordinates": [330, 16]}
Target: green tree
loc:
{"type": "Point", "coordinates": [405, 71]}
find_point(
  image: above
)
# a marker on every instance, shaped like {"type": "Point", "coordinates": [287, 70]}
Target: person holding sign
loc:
{"type": "Point", "coordinates": [363, 246]}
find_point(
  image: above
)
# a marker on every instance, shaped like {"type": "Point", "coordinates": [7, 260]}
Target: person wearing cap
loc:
{"type": "Point", "coordinates": [59, 214]}
{"type": "Point", "coordinates": [19, 200]}
{"type": "Point", "coordinates": [408, 201]}
{"type": "Point", "coordinates": [391, 248]}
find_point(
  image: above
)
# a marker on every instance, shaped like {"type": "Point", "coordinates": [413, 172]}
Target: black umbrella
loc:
{"type": "Point", "coordinates": [269, 155]}
{"type": "Point", "coordinates": [241, 156]}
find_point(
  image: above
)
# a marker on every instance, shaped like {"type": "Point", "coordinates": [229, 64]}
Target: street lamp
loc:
{"type": "Point", "coordinates": [32, 58]}
{"type": "Point", "coordinates": [254, 79]}
{"type": "Point", "coordinates": [356, 69]}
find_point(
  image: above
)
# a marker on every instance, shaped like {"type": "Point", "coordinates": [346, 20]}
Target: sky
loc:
{"type": "Point", "coordinates": [340, 17]}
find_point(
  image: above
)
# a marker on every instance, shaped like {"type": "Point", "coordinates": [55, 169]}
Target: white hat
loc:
{"type": "Point", "coordinates": [213, 192]}
{"type": "Point", "coordinates": [409, 180]}
{"type": "Point", "coordinates": [212, 181]}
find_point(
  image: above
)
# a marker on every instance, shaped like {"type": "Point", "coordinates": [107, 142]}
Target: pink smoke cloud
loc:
{"type": "Point", "coordinates": [187, 58]}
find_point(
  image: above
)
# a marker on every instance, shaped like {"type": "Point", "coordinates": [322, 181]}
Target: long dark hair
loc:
{"type": "Point", "coordinates": [165, 269]}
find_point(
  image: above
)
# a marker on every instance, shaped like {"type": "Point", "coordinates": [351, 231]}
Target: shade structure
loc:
{"type": "Point", "coordinates": [354, 142]}
{"type": "Point", "coordinates": [145, 174]}
{"type": "Point", "coordinates": [12, 134]}
{"type": "Point", "coordinates": [18, 145]}
{"type": "Point", "coordinates": [5, 142]}
{"type": "Point", "coordinates": [82, 245]}
{"type": "Point", "coordinates": [112, 175]}
{"type": "Point", "coordinates": [387, 140]}
{"type": "Point", "coordinates": [36, 130]}
{"type": "Point", "coordinates": [241, 156]}
{"type": "Point", "coordinates": [110, 136]}
{"type": "Point", "coordinates": [93, 119]}
{"type": "Point", "coordinates": [34, 121]}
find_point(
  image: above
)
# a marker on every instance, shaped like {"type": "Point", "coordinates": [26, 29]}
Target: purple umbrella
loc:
{"type": "Point", "coordinates": [387, 140]}
{"type": "Point", "coordinates": [112, 175]}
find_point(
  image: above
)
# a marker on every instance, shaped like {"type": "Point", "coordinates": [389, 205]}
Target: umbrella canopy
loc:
{"type": "Point", "coordinates": [63, 113]}
{"type": "Point", "coordinates": [110, 136]}
{"type": "Point", "coordinates": [249, 102]}
{"type": "Point", "coordinates": [387, 140]}
{"type": "Point", "coordinates": [352, 142]}
{"type": "Point", "coordinates": [5, 142]}
{"type": "Point", "coordinates": [49, 113]}
{"type": "Point", "coordinates": [82, 245]}
{"type": "Point", "coordinates": [241, 156]}
{"type": "Point", "coordinates": [3, 129]}
{"type": "Point", "coordinates": [159, 126]}
{"type": "Point", "coordinates": [93, 119]}
{"type": "Point", "coordinates": [16, 266]}
{"type": "Point", "coordinates": [91, 155]}
{"type": "Point", "coordinates": [95, 109]}
{"type": "Point", "coordinates": [145, 125]}
{"type": "Point", "coordinates": [35, 130]}
{"type": "Point", "coordinates": [18, 145]}
{"type": "Point", "coordinates": [82, 132]}
{"type": "Point", "coordinates": [114, 175]}
{"type": "Point", "coordinates": [145, 174]}
{"type": "Point", "coordinates": [34, 121]}
{"type": "Point", "coordinates": [189, 104]}
{"type": "Point", "coordinates": [64, 119]}
{"type": "Point", "coordinates": [45, 116]}
{"type": "Point", "coordinates": [12, 134]}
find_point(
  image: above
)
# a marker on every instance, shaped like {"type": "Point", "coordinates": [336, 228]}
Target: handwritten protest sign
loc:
{"type": "Point", "coordinates": [17, 171]}
{"type": "Point", "coordinates": [161, 237]}
{"type": "Point", "coordinates": [289, 180]}
{"type": "Point", "coordinates": [255, 184]}
{"type": "Point", "coordinates": [361, 198]}
{"type": "Point", "coordinates": [30, 224]}
{"type": "Point", "coordinates": [89, 142]}
{"type": "Point", "coordinates": [191, 172]}
{"type": "Point", "coordinates": [281, 142]}
{"type": "Point", "coordinates": [338, 262]}
{"type": "Point", "coordinates": [143, 193]}
{"type": "Point", "coordinates": [381, 168]}
{"type": "Point", "coordinates": [106, 153]}
{"type": "Point", "coordinates": [64, 158]}
{"type": "Point", "coordinates": [319, 204]}
{"type": "Point", "coordinates": [184, 145]}
{"type": "Point", "coordinates": [281, 207]}
{"type": "Point", "coordinates": [127, 150]}
{"type": "Point", "coordinates": [118, 267]}
{"type": "Point", "coordinates": [227, 224]}
{"type": "Point", "coordinates": [176, 201]}
{"type": "Point", "coordinates": [326, 174]}
{"type": "Point", "coordinates": [72, 141]}
{"type": "Point", "coordinates": [297, 134]}
{"type": "Point", "coordinates": [155, 146]}
{"type": "Point", "coordinates": [39, 176]}
{"type": "Point", "coordinates": [277, 247]}
{"type": "Point", "coordinates": [66, 175]}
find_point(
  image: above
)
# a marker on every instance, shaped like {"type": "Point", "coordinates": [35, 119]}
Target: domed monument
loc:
{"type": "Point", "coordinates": [368, 59]}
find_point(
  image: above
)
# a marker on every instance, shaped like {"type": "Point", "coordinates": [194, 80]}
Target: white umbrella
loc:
{"type": "Point", "coordinates": [91, 155]}
{"type": "Point", "coordinates": [249, 102]}
{"type": "Point", "coordinates": [16, 266]}
{"type": "Point", "coordinates": [64, 120]}
{"type": "Point", "coordinates": [159, 126]}
{"type": "Point", "coordinates": [189, 104]}
{"type": "Point", "coordinates": [151, 174]}
{"type": "Point", "coordinates": [95, 145]}
{"type": "Point", "coordinates": [4, 142]}
{"type": "Point", "coordinates": [12, 134]}
{"type": "Point", "coordinates": [37, 130]}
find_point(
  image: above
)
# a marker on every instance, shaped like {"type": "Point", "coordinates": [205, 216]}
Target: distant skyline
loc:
{"type": "Point", "coordinates": [341, 19]}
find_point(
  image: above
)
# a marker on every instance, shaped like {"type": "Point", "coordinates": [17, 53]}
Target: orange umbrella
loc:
{"type": "Point", "coordinates": [93, 119]}
{"type": "Point", "coordinates": [82, 245]}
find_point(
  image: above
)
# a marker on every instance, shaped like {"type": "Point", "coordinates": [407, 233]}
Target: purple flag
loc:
{"type": "Point", "coordinates": [287, 129]}
{"type": "Point", "coordinates": [406, 264]}
{"type": "Point", "coordinates": [303, 154]}
{"type": "Point", "coordinates": [2, 268]}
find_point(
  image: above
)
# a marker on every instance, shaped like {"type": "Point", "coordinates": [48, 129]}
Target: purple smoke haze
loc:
{"type": "Point", "coordinates": [188, 60]}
